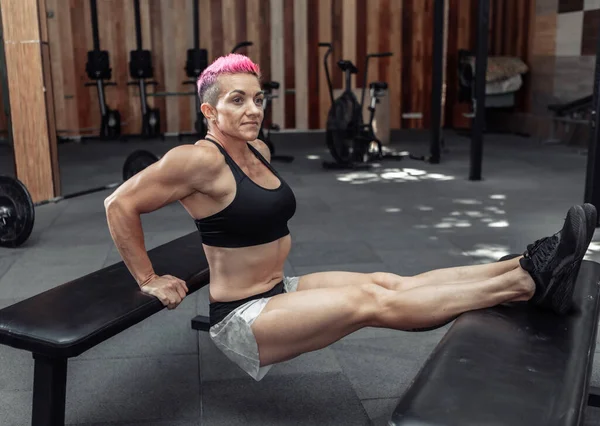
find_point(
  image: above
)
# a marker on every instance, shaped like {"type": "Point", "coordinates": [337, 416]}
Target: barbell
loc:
{"type": "Point", "coordinates": [17, 209]}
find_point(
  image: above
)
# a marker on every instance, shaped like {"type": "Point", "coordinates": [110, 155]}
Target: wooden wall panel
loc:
{"type": "Point", "coordinates": [3, 117]}
{"type": "Point", "coordinates": [289, 63]}
{"type": "Point", "coordinates": [349, 34]}
{"type": "Point", "coordinates": [384, 45]}
{"type": "Point", "coordinates": [325, 36]}
{"type": "Point", "coordinates": [87, 107]}
{"type": "Point", "coordinates": [19, 15]}
{"type": "Point", "coordinates": [228, 8]}
{"type": "Point", "coordinates": [361, 35]}
{"type": "Point", "coordinates": [337, 40]}
{"type": "Point", "coordinates": [426, 65]}
{"type": "Point", "coordinates": [33, 133]}
{"type": "Point", "coordinates": [172, 75]}
{"type": "Point", "coordinates": [156, 45]}
{"type": "Point", "coordinates": [3, 110]}
{"type": "Point", "coordinates": [253, 30]}
{"type": "Point", "coordinates": [217, 47]}
{"type": "Point", "coordinates": [3, 95]}
{"type": "Point", "coordinates": [185, 40]}
{"type": "Point", "coordinates": [301, 58]}
{"type": "Point", "coordinates": [240, 20]}
{"type": "Point", "coordinates": [507, 29]}
{"type": "Point", "coordinates": [395, 75]}
{"type": "Point", "coordinates": [57, 59]}
{"type": "Point", "coordinates": [312, 65]}
{"type": "Point", "coordinates": [407, 61]}
{"type": "Point", "coordinates": [373, 29]}
{"type": "Point", "coordinates": [278, 48]}
{"type": "Point", "coordinates": [206, 26]}
{"type": "Point", "coordinates": [285, 34]}
{"type": "Point", "coordinates": [264, 57]}
{"type": "Point", "coordinates": [130, 101]}
{"type": "Point", "coordinates": [51, 114]}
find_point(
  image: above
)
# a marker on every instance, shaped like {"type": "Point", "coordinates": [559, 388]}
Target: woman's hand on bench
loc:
{"type": "Point", "coordinates": [167, 288]}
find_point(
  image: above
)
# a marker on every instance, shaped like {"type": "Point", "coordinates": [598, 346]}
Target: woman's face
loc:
{"type": "Point", "coordinates": [239, 110]}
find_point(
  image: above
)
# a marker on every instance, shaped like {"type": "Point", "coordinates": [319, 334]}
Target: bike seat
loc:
{"type": "Point", "coordinates": [271, 85]}
{"type": "Point", "coordinates": [378, 85]}
{"type": "Point", "coordinates": [347, 65]}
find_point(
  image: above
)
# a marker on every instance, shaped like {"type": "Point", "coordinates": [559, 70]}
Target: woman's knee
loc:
{"type": "Point", "coordinates": [369, 299]}
{"type": "Point", "coordinates": [389, 281]}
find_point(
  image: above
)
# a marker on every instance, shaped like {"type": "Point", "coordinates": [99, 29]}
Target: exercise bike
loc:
{"type": "Point", "coordinates": [98, 69]}
{"type": "Point", "coordinates": [351, 142]}
{"type": "Point", "coordinates": [268, 87]}
{"type": "Point", "coordinates": [196, 62]}
{"type": "Point", "coordinates": [140, 69]}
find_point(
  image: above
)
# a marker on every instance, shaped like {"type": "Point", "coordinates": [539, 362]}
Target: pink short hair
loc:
{"type": "Point", "coordinates": [232, 63]}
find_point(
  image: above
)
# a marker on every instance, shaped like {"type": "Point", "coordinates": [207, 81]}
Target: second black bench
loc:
{"type": "Point", "coordinates": [510, 365]}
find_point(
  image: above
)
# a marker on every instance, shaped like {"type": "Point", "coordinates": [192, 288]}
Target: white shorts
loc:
{"type": "Point", "coordinates": [234, 337]}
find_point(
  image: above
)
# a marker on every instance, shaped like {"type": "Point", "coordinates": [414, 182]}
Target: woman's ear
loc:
{"type": "Point", "coordinates": [208, 112]}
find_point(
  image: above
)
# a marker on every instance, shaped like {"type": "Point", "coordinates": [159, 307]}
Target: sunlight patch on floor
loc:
{"type": "Point", "coordinates": [486, 253]}
{"type": "Point", "coordinates": [391, 175]}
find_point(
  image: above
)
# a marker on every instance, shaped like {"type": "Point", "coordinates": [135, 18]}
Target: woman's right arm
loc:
{"type": "Point", "coordinates": [182, 171]}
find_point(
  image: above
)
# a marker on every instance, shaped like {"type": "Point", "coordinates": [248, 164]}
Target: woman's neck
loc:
{"type": "Point", "coordinates": [236, 148]}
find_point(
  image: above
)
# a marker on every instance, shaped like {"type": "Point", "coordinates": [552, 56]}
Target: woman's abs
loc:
{"type": "Point", "coordinates": [237, 273]}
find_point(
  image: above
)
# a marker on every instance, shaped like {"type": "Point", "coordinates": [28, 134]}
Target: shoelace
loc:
{"type": "Point", "coordinates": [545, 249]}
{"type": "Point", "coordinates": [532, 248]}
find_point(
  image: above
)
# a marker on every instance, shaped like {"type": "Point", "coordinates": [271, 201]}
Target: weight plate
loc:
{"type": "Point", "coordinates": [136, 162]}
{"type": "Point", "coordinates": [17, 213]}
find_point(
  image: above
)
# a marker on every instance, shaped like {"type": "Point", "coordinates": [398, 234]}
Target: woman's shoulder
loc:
{"type": "Point", "coordinates": [262, 147]}
{"type": "Point", "coordinates": [203, 156]}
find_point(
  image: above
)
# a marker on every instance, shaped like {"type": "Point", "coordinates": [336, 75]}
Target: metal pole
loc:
{"type": "Point", "coordinates": [483, 17]}
{"type": "Point", "coordinates": [437, 80]}
{"type": "Point", "coordinates": [196, 25]}
{"type": "Point", "coordinates": [592, 181]}
{"type": "Point", "coordinates": [138, 24]}
{"type": "Point", "coordinates": [94, 11]}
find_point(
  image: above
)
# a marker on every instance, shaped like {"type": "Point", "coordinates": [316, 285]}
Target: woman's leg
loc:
{"type": "Point", "coordinates": [468, 273]}
{"type": "Point", "coordinates": [304, 321]}
{"type": "Point", "coordinates": [395, 282]}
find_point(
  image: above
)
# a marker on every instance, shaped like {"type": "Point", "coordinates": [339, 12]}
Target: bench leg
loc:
{"type": "Point", "coordinates": [49, 391]}
{"type": "Point", "coordinates": [594, 397]}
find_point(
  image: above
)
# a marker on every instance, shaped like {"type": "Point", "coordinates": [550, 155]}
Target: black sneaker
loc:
{"type": "Point", "coordinates": [590, 218]}
{"type": "Point", "coordinates": [553, 262]}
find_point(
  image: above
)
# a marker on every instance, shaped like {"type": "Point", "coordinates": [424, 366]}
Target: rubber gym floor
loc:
{"type": "Point", "coordinates": [403, 217]}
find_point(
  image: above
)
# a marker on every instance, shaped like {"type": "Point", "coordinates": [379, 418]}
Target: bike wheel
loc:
{"type": "Point", "coordinates": [343, 124]}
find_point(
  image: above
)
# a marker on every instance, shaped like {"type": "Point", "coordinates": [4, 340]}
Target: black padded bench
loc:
{"type": "Point", "coordinates": [577, 105]}
{"type": "Point", "coordinates": [67, 320]}
{"type": "Point", "coordinates": [510, 365]}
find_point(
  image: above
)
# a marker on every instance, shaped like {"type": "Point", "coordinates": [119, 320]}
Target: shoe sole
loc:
{"type": "Point", "coordinates": [581, 236]}
{"type": "Point", "coordinates": [592, 219]}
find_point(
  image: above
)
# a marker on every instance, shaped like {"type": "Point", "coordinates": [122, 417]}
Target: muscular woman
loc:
{"type": "Point", "coordinates": [241, 207]}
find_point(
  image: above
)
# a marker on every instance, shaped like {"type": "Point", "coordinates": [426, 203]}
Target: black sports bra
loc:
{"type": "Point", "coordinates": [256, 215]}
